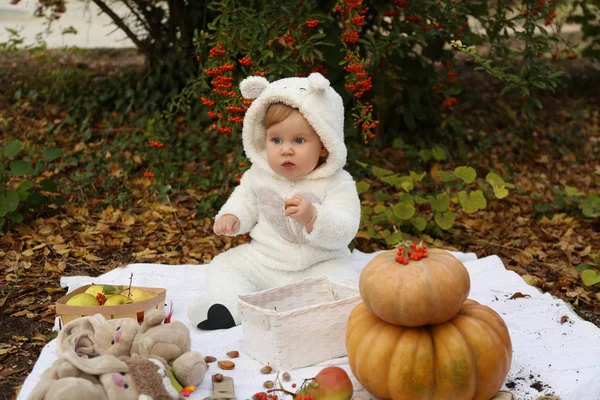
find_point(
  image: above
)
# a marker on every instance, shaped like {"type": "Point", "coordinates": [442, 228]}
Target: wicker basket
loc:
{"type": "Point", "coordinates": [297, 325]}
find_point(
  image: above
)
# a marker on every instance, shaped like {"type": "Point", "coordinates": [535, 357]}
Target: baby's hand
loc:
{"type": "Point", "coordinates": [228, 224]}
{"type": "Point", "coordinates": [300, 209]}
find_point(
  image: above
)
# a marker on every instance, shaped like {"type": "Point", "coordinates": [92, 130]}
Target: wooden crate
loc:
{"type": "Point", "coordinates": [136, 310]}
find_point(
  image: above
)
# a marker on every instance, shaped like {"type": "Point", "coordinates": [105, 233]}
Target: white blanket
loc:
{"type": "Point", "coordinates": [549, 358]}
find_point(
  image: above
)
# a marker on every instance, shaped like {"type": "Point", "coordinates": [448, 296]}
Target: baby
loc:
{"type": "Point", "coordinates": [298, 203]}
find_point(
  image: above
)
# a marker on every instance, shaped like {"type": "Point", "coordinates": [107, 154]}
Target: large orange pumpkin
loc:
{"type": "Point", "coordinates": [466, 358]}
{"type": "Point", "coordinates": [423, 292]}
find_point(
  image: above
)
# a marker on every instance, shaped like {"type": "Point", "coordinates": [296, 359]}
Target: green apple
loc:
{"type": "Point", "coordinates": [331, 383]}
{"type": "Point", "coordinates": [83, 299]}
{"type": "Point", "coordinates": [116, 300]}
{"type": "Point", "coordinates": [137, 295]}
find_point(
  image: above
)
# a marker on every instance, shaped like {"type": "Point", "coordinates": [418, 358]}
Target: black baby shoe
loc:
{"type": "Point", "coordinates": [218, 317]}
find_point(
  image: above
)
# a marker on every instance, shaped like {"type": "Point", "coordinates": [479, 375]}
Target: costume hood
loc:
{"type": "Point", "coordinates": [317, 102]}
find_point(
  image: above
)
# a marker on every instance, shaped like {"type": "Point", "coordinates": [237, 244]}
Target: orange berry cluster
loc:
{"type": "Point", "coordinates": [217, 51]}
{"type": "Point", "coordinates": [353, 18]}
{"type": "Point", "coordinates": [307, 397]}
{"type": "Point", "coordinates": [450, 102]}
{"type": "Point", "coordinates": [218, 71]}
{"type": "Point", "coordinates": [154, 143]}
{"type": "Point", "coordinates": [207, 102]}
{"type": "Point", "coordinates": [245, 61]}
{"type": "Point", "coordinates": [101, 297]}
{"type": "Point", "coordinates": [415, 253]}
{"type": "Point", "coordinates": [312, 23]}
{"type": "Point", "coordinates": [149, 174]}
{"type": "Point", "coordinates": [264, 396]}
{"type": "Point", "coordinates": [235, 109]}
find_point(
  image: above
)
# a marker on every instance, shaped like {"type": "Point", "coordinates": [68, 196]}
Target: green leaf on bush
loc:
{"type": "Point", "coordinates": [12, 148]}
{"type": "Point", "coordinates": [403, 182]}
{"type": "Point", "coordinates": [380, 172]}
{"type": "Point", "coordinates": [20, 168]}
{"type": "Point", "coordinates": [420, 200]}
{"type": "Point", "coordinates": [403, 211]}
{"type": "Point", "coordinates": [9, 201]}
{"type": "Point", "coordinates": [573, 191]}
{"type": "Point", "coordinates": [446, 176]}
{"type": "Point", "coordinates": [445, 220]}
{"type": "Point", "coordinates": [438, 153]}
{"type": "Point", "coordinates": [425, 155]}
{"type": "Point", "coordinates": [25, 186]}
{"type": "Point", "coordinates": [498, 185]}
{"type": "Point", "coordinates": [49, 185]}
{"type": "Point", "coordinates": [590, 277]}
{"type": "Point", "coordinates": [467, 174]}
{"type": "Point", "coordinates": [36, 200]}
{"type": "Point", "coordinates": [362, 187]}
{"type": "Point", "coordinates": [379, 208]}
{"type": "Point", "coordinates": [52, 153]}
{"type": "Point", "coordinates": [382, 196]}
{"type": "Point", "coordinates": [15, 217]}
{"type": "Point", "coordinates": [590, 206]}
{"type": "Point", "coordinates": [366, 210]}
{"type": "Point", "coordinates": [440, 203]}
{"type": "Point", "coordinates": [500, 192]}
{"type": "Point", "coordinates": [60, 201]}
{"type": "Point", "coordinates": [393, 238]}
{"type": "Point", "coordinates": [419, 222]}
{"type": "Point", "coordinates": [407, 198]}
{"type": "Point", "coordinates": [472, 202]}
{"type": "Point", "coordinates": [417, 177]}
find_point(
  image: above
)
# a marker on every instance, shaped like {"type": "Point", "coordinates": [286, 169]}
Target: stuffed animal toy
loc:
{"type": "Point", "coordinates": [95, 335]}
{"type": "Point", "coordinates": [106, 378]}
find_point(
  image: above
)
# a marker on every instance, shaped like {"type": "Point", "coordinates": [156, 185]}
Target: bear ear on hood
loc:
{"type": "Point", "coordinates": [318, 82]}
{"type": "Point", "coordinates": [253, 86]}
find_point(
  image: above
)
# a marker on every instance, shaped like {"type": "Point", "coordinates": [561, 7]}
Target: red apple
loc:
{"type": "Point", "coordinates": [331, 383]}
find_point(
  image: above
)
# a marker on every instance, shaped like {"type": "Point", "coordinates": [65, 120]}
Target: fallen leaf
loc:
{"type": "Point", "coordinates": [518, 295]}
{"type": "Point", "coordinates": [564, 319]}
{"type": "Point", "coordinates": [532, 280]}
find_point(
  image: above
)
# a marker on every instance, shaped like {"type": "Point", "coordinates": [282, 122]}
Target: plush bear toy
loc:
{"type": "Point", "coordinates": [95, 335]}
{"type": "Point", "coordinates": [105, 378]}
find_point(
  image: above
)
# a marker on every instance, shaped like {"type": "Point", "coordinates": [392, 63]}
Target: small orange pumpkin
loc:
{"type": "Point", "coordinates": [428, 291]}
{"type": "Point", "coordinates": [465, 358]}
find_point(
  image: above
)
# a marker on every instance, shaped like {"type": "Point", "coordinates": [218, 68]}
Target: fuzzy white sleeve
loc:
{"type": "Point", "coordinates": [338, 217]}
{"type": "Point", "coordinates": [242, 203]}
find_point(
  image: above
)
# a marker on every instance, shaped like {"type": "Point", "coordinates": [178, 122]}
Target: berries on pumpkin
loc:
{"type": "Point", "coordinates": [415, 253]}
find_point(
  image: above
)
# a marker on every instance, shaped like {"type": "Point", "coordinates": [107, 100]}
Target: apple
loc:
{"type": "Point", "coordinates": [83, 299]}
{"type": "Point", "coordinates": [137, 295]}
{"type": "Point", "coordinates": [95, 289]}
{"type": "Point", "coordinates": [331, 383]}
{"type": "Point", "coordinates": [116, 300]}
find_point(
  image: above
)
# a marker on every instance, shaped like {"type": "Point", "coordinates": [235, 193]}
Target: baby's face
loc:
{"type": "Point", "coordinates": [293, 147]}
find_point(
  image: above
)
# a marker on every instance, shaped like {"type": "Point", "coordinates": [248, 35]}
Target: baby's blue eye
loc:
{"type": "Point", "coordinates": [299, 140]}
{"type": "Point", "coordinates": [276, 140]}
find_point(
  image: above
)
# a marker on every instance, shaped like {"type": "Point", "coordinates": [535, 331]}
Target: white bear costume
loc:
{"type": "Point", "coordinates": [283, 251]}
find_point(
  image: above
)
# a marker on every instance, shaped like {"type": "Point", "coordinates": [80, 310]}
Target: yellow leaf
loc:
{"type": "Point", "coordinates": [27, 253]}
{"type": "Point", "coordinates": [170, 254]}
{"type": "Point", "coordinates": [91, 257]}
{"type": "Point", "coordinates": [52, 290]}
{"type": "Point", "coordinates": [19, 338]}
{"type": "Point", "coordinates": [166, 208]}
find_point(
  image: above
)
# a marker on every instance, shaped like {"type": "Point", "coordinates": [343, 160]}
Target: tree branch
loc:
{"type": "Point", "coordinates": [121, 24]}
{"type": "Point", "coordinates": [137, 15]}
